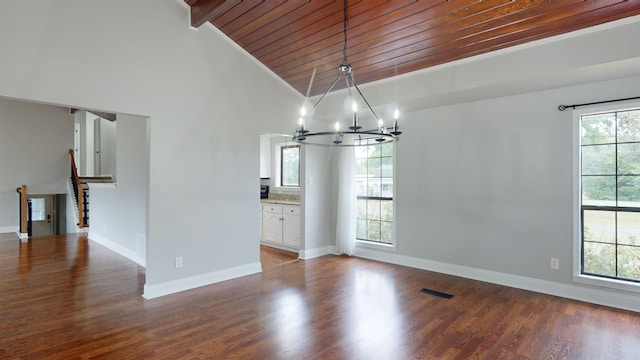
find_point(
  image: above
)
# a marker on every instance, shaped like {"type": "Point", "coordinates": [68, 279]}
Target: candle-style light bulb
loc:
{"type": "Point", "coordinates": [380, 125]}
{"type": "Point", "coordinates": [354, 126]}
{"type": "Point", "coordinates": [395, 131]}
{"type": "Point", "coordinates": [396, 114]}
{"type": "Point", "coordinates": [338, 137]}
{"type": "Point", "coordinates": [303, 112]}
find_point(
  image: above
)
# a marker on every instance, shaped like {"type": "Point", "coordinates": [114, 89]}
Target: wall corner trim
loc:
{"type": "Point", "coordinates": [10, 229]}
{"type": "Point", "coordinates": [192, 282]}
{"type": "Point", "coordinates": [315, 252]}
{"type": "Point", "coordinates": [117, 248]}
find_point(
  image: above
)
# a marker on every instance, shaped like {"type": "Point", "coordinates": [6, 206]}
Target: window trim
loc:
{"type": "Point", "coordinates": [577, 274]}
{"type": "Point", "coordinates": [280, 165]}
{"type": "Point", "coordinates": [363, 243]}
{"type": "Point", "coordinates": [276, 163]}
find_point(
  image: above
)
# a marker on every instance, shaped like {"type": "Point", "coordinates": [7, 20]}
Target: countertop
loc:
{"type": "Point", "coordinates": [279, 202]}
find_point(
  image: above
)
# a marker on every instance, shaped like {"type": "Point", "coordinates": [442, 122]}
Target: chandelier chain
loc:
{"type": "Point", "coordinates": [344, 33]}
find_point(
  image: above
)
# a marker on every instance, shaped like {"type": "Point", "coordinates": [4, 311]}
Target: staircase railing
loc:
{"type": "Point", "coordinates": [24, 209]}
{"type": "Point", "coordinates": [77, 191]}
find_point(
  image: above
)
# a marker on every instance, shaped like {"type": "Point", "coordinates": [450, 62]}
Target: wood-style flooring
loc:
{"type": "Point", "coordinates": [65, 297]}
{"type": "Point", "coordinates": [8, 236]}
{"type": "Point", "coordinates": [270, 257]}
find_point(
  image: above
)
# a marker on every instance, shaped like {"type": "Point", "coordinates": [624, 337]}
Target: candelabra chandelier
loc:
{"type": "Point", "coordinates": [354, 134]}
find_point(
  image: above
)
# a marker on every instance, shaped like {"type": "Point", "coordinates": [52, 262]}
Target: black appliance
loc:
{"type": "Point", "coordinates": [264, 191]}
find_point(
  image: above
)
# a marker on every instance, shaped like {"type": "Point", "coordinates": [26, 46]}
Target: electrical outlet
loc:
{"type": "Point", "coordinates": [555, 263]}
{"type": "Point", "coordinates": [178, 262]}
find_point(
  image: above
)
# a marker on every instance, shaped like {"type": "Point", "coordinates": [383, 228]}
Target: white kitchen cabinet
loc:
{"type": "Point", "coordinates": [291, 225]}
{"type": "Point", "coordinates": [260, 222]}
{"type": "Point", "coordinates": [281, 225]}
{"type": "Point", "coordinates": [272, 223]}
{"type": "Point", "coordinates": [265, 156]}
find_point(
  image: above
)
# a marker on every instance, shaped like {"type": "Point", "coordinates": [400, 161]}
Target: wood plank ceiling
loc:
{"type": "Point", "coordinates": [392, 37]}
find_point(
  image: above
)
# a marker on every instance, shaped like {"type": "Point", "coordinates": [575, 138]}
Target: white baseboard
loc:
{"type": "Point", "coordinates": [280, 246]}
{"type": "Point", "coordinates": [582, 293]}
{"type": "Point", "coordinates": [117, 248]}
{"type": "Point", "coordinates": [9, 229]}
{"type": "Point", "coordinates": [192, 282]}
{"type": "Point", "coordinates": [314, 253]}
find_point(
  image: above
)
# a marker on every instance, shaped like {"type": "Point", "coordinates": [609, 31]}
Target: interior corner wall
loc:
{"type": "Point", "coordinates": [316, 200]}
{"type": "Point", "coordinates": [89, 145]}
{"type": "Point", "coordinates": [34, 143]}
{"type": "Point", "coordinates": [86, 147]}
{"type": "Point", "coordinates": [124, 228]}
{"type": "Point", "coordinates": [108, 134]}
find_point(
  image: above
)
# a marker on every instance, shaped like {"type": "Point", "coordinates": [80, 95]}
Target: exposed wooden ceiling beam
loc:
{"type": "Point", "coordinates": [203, 10]}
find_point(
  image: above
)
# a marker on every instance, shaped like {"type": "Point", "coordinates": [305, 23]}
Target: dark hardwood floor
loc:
{"type": "Point", "coordinates": [270, 257]}
{"type": "Point", "coordinates": [66, 297]}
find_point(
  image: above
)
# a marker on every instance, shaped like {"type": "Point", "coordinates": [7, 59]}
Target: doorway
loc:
{"type": "Point", "coordinates": [48, 214]}
{"type": "Point", "coordinates": [42, 215]}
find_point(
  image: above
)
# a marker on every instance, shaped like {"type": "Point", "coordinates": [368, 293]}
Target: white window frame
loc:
{"type": "Point", "coordinates": [277, 163]}
{"type": "Point", "coordinates": [379, 245]}
{"type": "Point", "coordinates": [577, 201]}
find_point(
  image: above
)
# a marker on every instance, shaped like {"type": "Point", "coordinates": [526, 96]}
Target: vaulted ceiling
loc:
{"type": "Point", "coordinates": [392, 37]}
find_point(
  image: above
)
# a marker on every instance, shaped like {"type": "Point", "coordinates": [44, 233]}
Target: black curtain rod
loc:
{"type": "Point", "coordinates": [565, 107]}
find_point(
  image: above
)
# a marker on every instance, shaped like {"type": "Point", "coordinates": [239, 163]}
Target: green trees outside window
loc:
{"type": "Point", "coordinates": [374, 190]}
{"type": "Point", "coordinates": [610, 194]}
{"type": "Point", "coordinates": [290, 166]}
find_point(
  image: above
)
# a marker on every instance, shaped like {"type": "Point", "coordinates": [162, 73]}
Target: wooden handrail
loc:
{"type": "Point", "coordinates": [24, 226]}
{"type": "Point", "coordinates": [77, 188]}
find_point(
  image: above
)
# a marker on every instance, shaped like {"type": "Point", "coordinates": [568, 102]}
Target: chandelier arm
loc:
{"type": "Point", "coordinates": [326, 92]}
{"type": "Point", "coordinates": [307, 139]}
{"type": "Point", "coordinates": [347, 78]}
{"type": "Point", "coordinates": [313, 76]}
{"type": "Point", "coordinates": [363, 98]}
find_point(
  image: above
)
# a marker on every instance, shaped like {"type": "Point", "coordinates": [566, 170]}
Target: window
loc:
{"type": "Point", "coordinates": [374, 190]}
{"type": "Point", "coordinates": [290, 165]}
{"type": "Point", "coordinates": [38, 209]}
{"type": "Point", "coordinates": [609, 195]}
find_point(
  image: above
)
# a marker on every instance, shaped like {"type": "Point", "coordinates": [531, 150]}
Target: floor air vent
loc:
{"type": "Point", "coordinates": [436, 293]}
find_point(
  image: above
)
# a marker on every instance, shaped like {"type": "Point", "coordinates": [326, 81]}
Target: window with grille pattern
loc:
{"type": "Point", "coordinates": [609, 174]}
{"type": "Point", "coordinates": [374, 190]}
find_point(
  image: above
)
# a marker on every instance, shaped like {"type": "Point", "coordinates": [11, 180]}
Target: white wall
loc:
{"type": "Point", "coordinates": [484, 167]}
{"type": "Point", "coordinates": [108, 132]}
{"type": "Point", "coordinates": [207, 103]}
{"type": "Point", "coordinates": [118, 213]}
{"type": "Point", "coordinates": [88, 141]}
{"type": "Point", "coordinates": [27, 157]}
{"type": "Point", "coordinates": [488, 185]}
{"type": "Point", "coordinates": [92, 126]}
{"type": "Point", "coordinates": [316, 181]}
{"type": "Point", "coordinates": [86, 152]}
